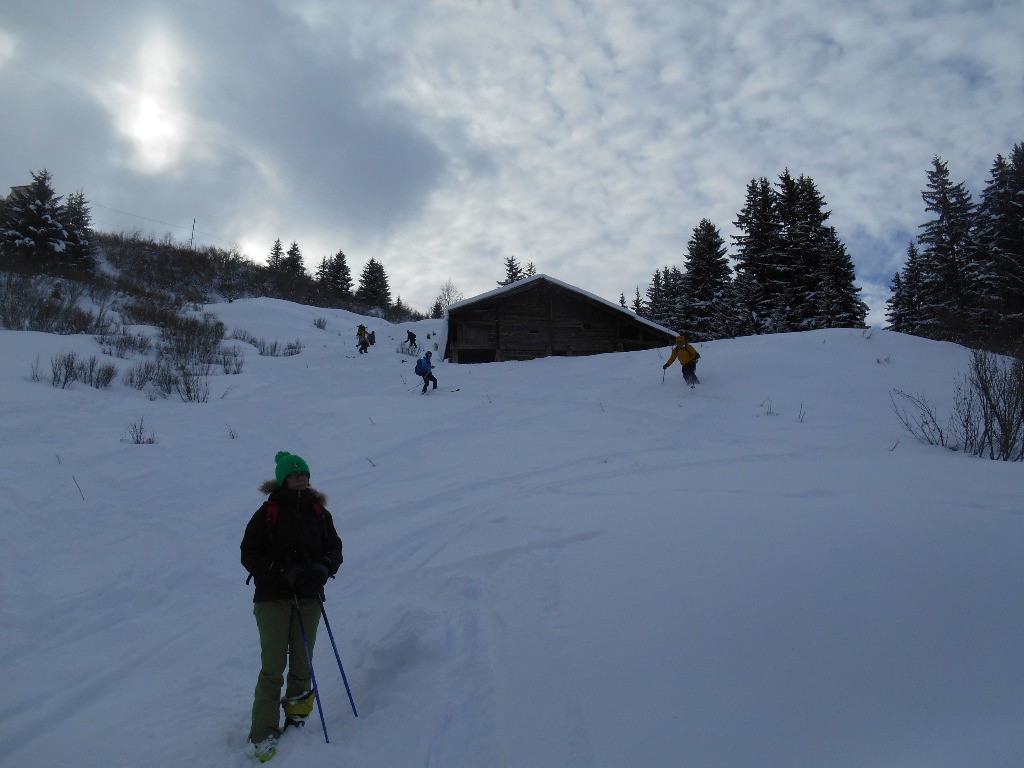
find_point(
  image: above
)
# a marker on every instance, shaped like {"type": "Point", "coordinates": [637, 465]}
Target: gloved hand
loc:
{"type": "Point", "coordinates": [315, 577]}
{"type": "Point", "coordinates": [292, 575]}
{"type": "Point", "coordinates": [664, 367]}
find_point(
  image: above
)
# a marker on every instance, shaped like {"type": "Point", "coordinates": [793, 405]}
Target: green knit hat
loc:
{"type": "Point", "coordinates": [286, 463]}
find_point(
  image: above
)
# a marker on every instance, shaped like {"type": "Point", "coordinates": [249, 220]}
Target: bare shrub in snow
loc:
{"type": "Point", "coordinates": [988, 411]}
{"type": "Point", "coordinates": [136, 434]}
{"type": "Point", "coordinates": [63, 367]}
{"type": "Point", "coordinates": [268, 348]}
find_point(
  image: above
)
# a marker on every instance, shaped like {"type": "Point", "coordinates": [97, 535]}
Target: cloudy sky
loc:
{"type": "Point", "coordinates": [440, 137]}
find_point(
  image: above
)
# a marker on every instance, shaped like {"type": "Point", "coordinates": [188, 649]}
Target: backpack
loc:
{"type": "Point", "coordinates": [421, 369]}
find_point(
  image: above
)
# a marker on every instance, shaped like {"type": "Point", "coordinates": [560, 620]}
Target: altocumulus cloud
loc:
{"type": "Point", "coordinates": [589, 138]}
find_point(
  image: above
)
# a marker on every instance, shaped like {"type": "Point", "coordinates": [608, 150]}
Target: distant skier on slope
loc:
{"type": "Point", "coordinates": [424, 368]}
{"type": "Point", "coordinates": [290, 548]}
{"type": "Point", "coordinates": [687, 357]}
{"type": "Point", "coordinates": [363, 339]}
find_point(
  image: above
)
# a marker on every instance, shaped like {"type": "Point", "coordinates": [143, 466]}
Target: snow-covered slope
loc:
{"type": "Point", "coordinates": [566, 562]}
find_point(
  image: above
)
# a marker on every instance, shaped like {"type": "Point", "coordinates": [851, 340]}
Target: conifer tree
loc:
{"type": "Point", "coordinates": [32, 224]}
{"type": "Point", "coordinates": [276, 256]}
{"type": "Point", "coordinates": [835, 296]}
{"type": "Point", "coordinates": [896, 314]}
{"type": "Point", "coordinates": [904, 314]}
{"type": "Point", "coordinates": [798, 219]}
{"type": "Point", "coordinates": [666, 298]}
{"type": "Point", "coordinates": [824, 292]}
{"type": "Point", "coordinates": [292, 262]}
{"type": "Point", "coordinates": [373, 286]}
{"type": "Point", "coordinates": [654, 304]}
{"type": "Point", "coordinates": [676, 286]}
{"type": "Point", "coordinates": [398, 309]}
{"type": "Point", "coordinates": [948, 297]}
{"type": "Point", "coordinates": [341, 274]}
{"type": "Point", "coordinates": [757, 247]}
{"type": "Point", "coordinates": [334, 274]}
{"type": "Point", "coordinates": [513, 271]}
{"type": "Point", "coordinates": [660, 303]}
{"type": "Point", "coordinates": [999, 257]}
{"type": "Point", "coordinates": [710, 303]}
{"type": "Point", "coordinates": [78, 222]}
{"type": "Point", "coordinates": [793, 271]}
{"type": "Point", "coordinates": [638, 303]}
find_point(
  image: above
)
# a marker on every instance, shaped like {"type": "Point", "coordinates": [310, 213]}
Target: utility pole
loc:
{"type": "Point", "coordinates": [193, 237]}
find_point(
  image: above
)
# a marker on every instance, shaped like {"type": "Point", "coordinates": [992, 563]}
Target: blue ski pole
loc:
{"type": "Point", "coordinates": [309, 658]}
{"type": "Point", "coordinates": [334, 645]}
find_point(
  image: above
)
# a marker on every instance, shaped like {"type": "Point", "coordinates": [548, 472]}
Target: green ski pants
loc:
{"type": "Point", "coordinates": [280, 645]}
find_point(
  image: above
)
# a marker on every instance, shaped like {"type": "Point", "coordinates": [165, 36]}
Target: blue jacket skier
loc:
{"type": "Point", "coordinates": [424, 368]}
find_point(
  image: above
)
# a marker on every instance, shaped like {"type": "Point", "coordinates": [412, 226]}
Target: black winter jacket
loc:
{"type": "Point", "coordinates": [302, 534]}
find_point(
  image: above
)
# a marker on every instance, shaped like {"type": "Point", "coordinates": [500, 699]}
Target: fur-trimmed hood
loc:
{"type": "Point", "coordinates": [269, 486]}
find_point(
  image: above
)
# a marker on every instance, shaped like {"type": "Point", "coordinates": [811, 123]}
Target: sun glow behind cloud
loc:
{"type": "Point", "coordinates": [7, 48]}
{"type": "Point", "coordinates": [149, 111]}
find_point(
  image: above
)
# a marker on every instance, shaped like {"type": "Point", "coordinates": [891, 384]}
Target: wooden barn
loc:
{"type": "Point", "coordinates": [540, 317]}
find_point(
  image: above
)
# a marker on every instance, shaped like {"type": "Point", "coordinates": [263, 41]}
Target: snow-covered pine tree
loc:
{"type": "Point", "coordinates": [800, 215]}
{"type": "Point", "coordinates": [32, 224]}
{"type": "Point", "coordinates": [824, 293]}
{"type": "Point", "coordinates": [895, 314]}
{"type": "Point", "coordinates": [836, 300]}
{"type": "Point", "coordinates": [904, 313]}
{"type": "Point", "coordinates": [654, 308]}
{"type": "Point", "coordinates": [374, 290]}
{"type": "Point", "coordinates": [78, 224]}
{"type": "Point", "coordinates": [665, 298]}
{"type": "Point", "coordinates": [948, 295]}
{"type": "Point", "coordinates": [999, 260]}
{"type": "Point", "coordinates": [676, 287]}
{"type": "Point", "coordinates": [806, 237]}
{"type": "Point", "coordinates": [757, 248]}
{"type": "Point", "coordinates": [708, 286]}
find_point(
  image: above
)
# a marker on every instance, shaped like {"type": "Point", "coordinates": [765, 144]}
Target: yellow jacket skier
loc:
{"type": "Point", "coordinates": [687, 357]}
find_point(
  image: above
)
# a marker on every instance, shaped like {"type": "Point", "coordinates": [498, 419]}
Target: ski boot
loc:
{"type": "Point", "coordinates": [297, 709]}
{"type": "Point", "coordinates": [264, 750]}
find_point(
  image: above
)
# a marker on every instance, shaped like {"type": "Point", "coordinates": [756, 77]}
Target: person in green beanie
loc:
{"type": "Point", "coordinates": [290, 548]}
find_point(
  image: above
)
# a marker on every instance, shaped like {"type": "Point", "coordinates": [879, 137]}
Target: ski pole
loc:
{"type": "Point", "coordinates": [334, 645]}
{"type": "Point", "coordinates": [309, 658]}
{"type": "Point", "coordinates": [662, 375]}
